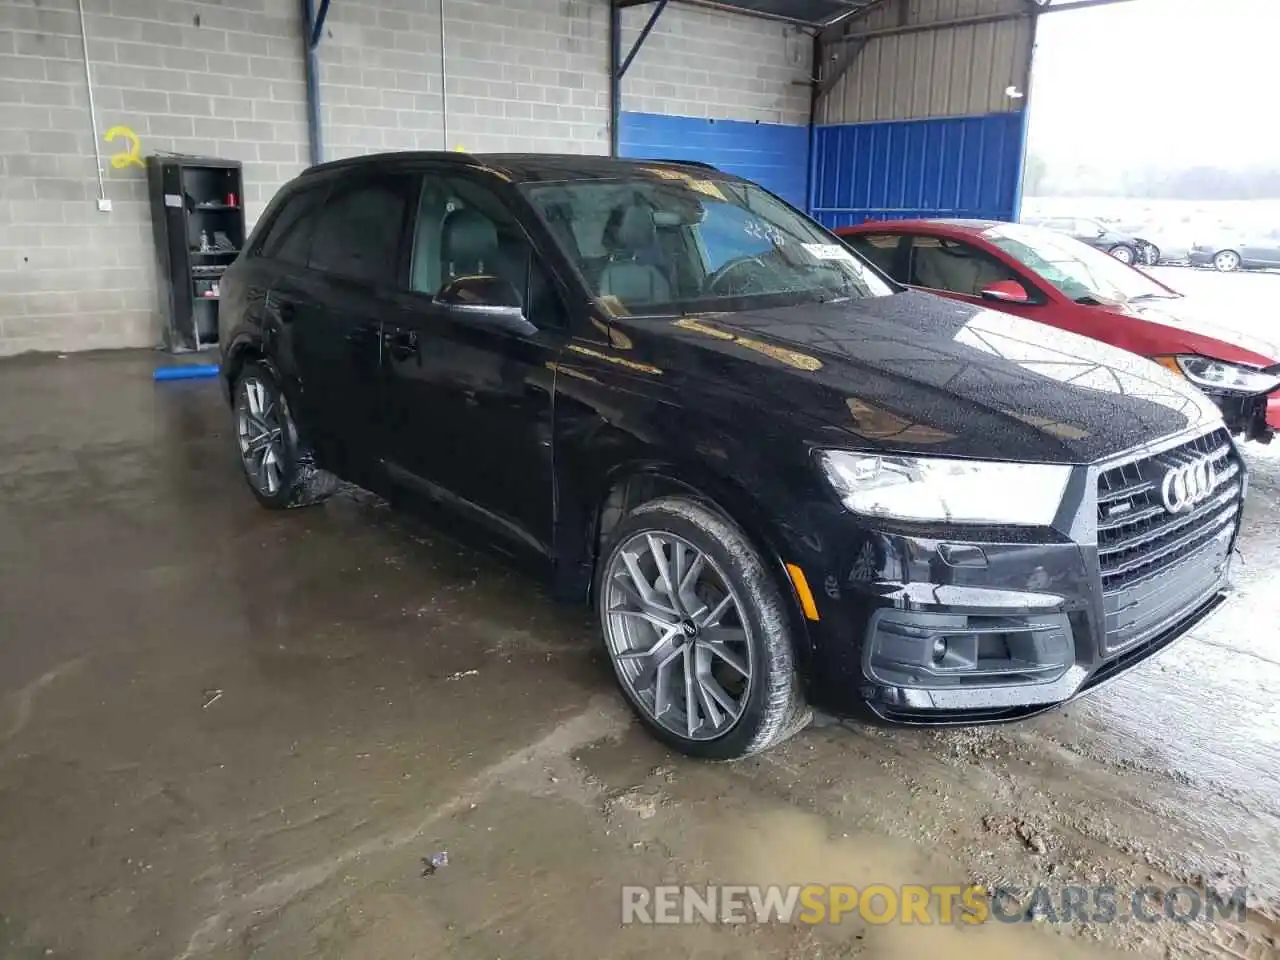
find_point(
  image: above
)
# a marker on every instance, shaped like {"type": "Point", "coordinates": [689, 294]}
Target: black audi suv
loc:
{"type": "Point", "coordinates": [784, 481]}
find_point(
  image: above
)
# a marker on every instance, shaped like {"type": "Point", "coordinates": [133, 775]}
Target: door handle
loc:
{"type": "Point", "coordinates": [401, 344]}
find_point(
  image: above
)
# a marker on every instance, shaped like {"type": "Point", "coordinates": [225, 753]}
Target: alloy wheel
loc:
{"type": "Point", "coordinates": [1227, 261]}
{"type": "Point", "coordinates": [677, 635]}
{"type": "Point", "coordinates": [260, 431]}
{"type": "Point", "coordinates": [1123, 254]}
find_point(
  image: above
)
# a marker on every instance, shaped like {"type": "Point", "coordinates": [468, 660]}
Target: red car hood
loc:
{"type": "Point", "coordinates": [1194, 321]}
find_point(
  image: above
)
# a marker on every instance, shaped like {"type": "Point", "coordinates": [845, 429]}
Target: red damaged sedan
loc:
{"type": "Point", "coordinates": [1046, 276]}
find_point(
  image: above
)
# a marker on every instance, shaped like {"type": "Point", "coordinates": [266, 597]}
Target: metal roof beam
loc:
{"type": "Point", "coordinates": [844, 58]}
{"type": "Point", "coordinates": [1051, 7]}
{"type": "Point", "coordinates": [938, 25]}
{"type": "Point", "coordinates": [644, 35]}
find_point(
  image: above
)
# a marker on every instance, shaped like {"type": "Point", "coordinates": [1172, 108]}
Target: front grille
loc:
{"type": "Point", "coordinates": [1157, 565]}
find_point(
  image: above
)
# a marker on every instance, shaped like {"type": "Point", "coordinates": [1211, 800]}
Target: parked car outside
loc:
{"type": "Point", "coordinates": [1042, 275]}
{"type": "Point", "coordinates": [783, 480]}
{"type": "Point", "coordinates": [1162, 242]}
{"type": "Point", "coordinates": [1123, 246]}
{"type": "Point", "coordinates": [1256, 249]}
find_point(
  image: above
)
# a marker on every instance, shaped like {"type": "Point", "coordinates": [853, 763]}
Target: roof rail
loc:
{"type": "Point", "coordinates": [362, 159]}
{"type": "Point", "coordinates": [703, 164]}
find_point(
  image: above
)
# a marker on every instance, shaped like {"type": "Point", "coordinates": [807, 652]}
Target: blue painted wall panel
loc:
{"type": "Point", "coordinates": [775, 155]}
{"type": "Point", "coordinates": [901, 169]}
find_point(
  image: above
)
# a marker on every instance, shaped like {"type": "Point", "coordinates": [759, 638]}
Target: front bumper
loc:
{"type": "Point", "coordinates": [1200, 258]}
{"type": "Point", "coordinates": [929, 627]}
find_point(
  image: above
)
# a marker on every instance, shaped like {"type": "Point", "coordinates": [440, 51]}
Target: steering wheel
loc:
{"type": "Point", "coordinates": [716, 279]}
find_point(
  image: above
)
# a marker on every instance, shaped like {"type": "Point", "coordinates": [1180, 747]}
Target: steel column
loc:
{"type": "Point", "coordinates": [618, 65]}
{"type": "Point", "coordinates": [312, 28]}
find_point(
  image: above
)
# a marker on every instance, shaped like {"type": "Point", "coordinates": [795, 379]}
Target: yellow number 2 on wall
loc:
{"type": "Point", "coordinates": [129, 158]}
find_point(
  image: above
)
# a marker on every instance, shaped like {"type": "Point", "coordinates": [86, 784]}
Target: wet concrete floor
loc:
{"type": "Point", "coordinates": [231, 733]}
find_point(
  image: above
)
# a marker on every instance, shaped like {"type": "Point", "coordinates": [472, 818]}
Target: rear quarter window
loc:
{"type": "Point", "coordinates": [288, 236]}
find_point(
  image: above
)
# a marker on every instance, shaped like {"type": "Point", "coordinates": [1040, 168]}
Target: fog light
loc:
{"type": "Point", "coordinates": [939, 649]}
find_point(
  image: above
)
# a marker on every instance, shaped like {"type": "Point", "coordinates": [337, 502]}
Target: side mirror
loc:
{"type": "Point", "coordinates": [1006, 291]}
{"type": "Point", "coordinates": [487, 300]}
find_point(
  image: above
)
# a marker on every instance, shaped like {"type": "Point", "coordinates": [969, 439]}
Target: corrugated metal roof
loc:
{"type": "Point", "coordinates": [932, 58]}
{"type": "Point", "coordinates": [817, 13]}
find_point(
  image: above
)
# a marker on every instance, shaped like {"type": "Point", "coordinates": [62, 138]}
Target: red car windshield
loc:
{"type": "Point", "coordinates": [1076, 269]}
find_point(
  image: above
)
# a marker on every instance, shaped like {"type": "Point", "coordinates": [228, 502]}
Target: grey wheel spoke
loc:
{"type": "Point", "coordinates": [716, 614]}
{"type": "Point", "coordinates": [271, 469]}
{"type": "Point", "coordinates": [692, 719]}
{"type": "Point", "coordinates": [662, 683]}
{"type": "Point", "coordinates": [688, 599]}
{"type": "Point", "coordinates": [263, 439]}
{"type": "Point", "coordinates": [653, 657]}
{"type": "Point", "coordinates": [715, 694]}
{"type": "Point", "coordinates": [648, 595]}
{"type": "Point", "coordinates": [253, 395]}
{"type": "Point", "coordinates": [637, 594]}
{"type": "Point", "coordinates": [644, 615]}
{"type": "Point", "coordinates": [715, 642]}
{"type": "Point", "coordinates": [664, 571]}
{"type": "Point", "coordinates": [712, 711]}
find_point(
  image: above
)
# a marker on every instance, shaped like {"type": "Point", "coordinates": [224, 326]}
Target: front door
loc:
{"type": "Point", "coordinates": [470, 405]}
{"type": "Point", "coordinates": [960, 270]}
{"type": "Point", "coordinates": [1263, 249]}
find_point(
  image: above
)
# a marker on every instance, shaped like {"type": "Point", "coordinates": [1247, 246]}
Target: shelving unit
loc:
{"type": "Point", "coordinates": [197, 215]}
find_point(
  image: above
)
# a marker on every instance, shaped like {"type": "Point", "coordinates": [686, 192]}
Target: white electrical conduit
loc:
{"type": "Point", "coordinates": [444, 75]}
{"type": "Point", "coordinates": [93, 113]}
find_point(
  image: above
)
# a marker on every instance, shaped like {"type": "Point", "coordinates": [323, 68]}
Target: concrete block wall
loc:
{"type": "Point", "coordinates": [225, 77]}
{"type": "Point", "coordinates": [519, 75]}
{"type": "Point", "coordinates": [710, 63]}
{"type": "Point", "coordinates": [188, 77]}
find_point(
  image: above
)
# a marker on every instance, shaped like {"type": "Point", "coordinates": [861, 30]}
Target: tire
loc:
{"type": "Point", "coordinates": [1124, 253]}
{"type": "Point", "coordinates": [761, 710]}
{"type": "Point", "coordinates": [1226, 261]}
{"type": "Point", "coordinates": [278, 469]}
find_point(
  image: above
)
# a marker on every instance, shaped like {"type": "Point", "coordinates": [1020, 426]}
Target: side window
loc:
{"type": "Point", "coordinates": [942, 264]}
{"type": "Point", "coordinates": [288, 236]}
{"type": "Point", "coordinates": [462, 228]}
{"type": "Point", "coordinates": [881, 249]}
{"type": "Point", "coordinates": [359, 229]}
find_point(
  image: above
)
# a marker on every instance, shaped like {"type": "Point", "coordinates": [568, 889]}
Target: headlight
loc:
{"type": "Point", "coordinates": [1220, 375]}
{"type": "Point", "coordinates": [937, 489]}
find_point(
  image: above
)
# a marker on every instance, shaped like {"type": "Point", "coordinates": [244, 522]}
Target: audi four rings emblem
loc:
{"type": "Point", "coordinates": [1189, 484]}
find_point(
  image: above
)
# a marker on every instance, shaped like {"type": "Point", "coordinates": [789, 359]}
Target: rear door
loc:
{"type": "Point", "coordinates": [470, 405]}
{"type": "Point", "coordinates": [332, 313]}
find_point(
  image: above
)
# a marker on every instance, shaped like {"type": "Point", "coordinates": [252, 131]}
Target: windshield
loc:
{"type": "Point", "coordinates": [667, 242]}
{"type": "Point", "coordinates": [1076, 269]}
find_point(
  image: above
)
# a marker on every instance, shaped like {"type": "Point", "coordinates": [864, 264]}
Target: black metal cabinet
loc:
{"type": "Point", "coordinates": [197, 213]}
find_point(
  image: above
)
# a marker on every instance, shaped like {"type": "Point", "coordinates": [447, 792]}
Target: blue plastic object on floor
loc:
{"type": "Point", "coordinates": [192, 372]}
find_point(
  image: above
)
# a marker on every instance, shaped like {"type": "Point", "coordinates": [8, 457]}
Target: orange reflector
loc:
{"type": "Point", "coordinates": [802, 590]}
{"type": "Point", "coordinates": [1169, 363]}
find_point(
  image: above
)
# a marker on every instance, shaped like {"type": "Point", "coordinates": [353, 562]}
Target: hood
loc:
{"type": "Point", "coordinates": [915, 372]}
{"type": "Point", "coordinates": [1196, 319]}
